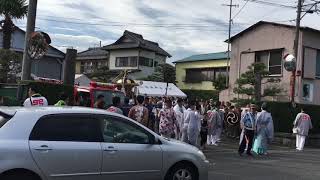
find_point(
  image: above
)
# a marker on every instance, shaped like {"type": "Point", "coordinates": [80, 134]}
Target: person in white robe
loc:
{"type": "Point", "coordinates": [190, 130]}
{"type": "Point", "coordinates": [301, 127]}
{"type": "Point", "coordinates": [179, 110]}
{"type": "Point", "coordinates": [264, 131]}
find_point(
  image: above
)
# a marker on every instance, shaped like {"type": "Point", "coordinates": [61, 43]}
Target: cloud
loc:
{"type": "Point", "coordinates": [63, 41]}
{"type": "Point", "coordinates": [204, 29]}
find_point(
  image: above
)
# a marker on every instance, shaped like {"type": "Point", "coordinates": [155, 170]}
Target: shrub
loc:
{"type": "Point", "coordinates": [51, 91]}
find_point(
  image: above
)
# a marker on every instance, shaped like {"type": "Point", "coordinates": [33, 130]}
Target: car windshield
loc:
{"type": "Point", "coordinates": [108, 95]}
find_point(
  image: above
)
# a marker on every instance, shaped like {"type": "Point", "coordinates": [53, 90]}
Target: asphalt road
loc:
{"type": "Point", "coordinates": [282, 163]}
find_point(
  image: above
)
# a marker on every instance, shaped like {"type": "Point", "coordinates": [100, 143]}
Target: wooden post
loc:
{"type": "Point", "coordinates": [69, 67]}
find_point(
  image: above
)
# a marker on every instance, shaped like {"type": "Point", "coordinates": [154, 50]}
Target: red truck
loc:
{"type": "Point", "coordinates": [87, 96]}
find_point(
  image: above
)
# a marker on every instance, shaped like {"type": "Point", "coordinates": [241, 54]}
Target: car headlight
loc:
{"type": "Point", "coordinates": [202, 156]}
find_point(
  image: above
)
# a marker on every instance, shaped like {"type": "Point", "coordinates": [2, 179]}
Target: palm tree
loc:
{"type": "Point", "coordinates": [11, 9]}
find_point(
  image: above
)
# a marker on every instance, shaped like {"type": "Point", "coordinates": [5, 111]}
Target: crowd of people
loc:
{"type": "Point", "coordinates": [197, 122]}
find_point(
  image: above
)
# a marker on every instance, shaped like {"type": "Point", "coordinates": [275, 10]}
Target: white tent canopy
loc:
{"type": "Point", "coordinates": [151, 88]}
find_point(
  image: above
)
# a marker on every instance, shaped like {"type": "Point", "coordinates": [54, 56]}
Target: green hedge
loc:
{"type": "Point", "coordinates": [51, 91]}
{"type": "Point", "coordinates": [283, 116]}
{"type": "Point", "coordinates": [202, 94]}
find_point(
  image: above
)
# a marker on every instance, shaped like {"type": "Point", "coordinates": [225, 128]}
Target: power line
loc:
{"type": "Point", "coordinates": [272, 4]}
{"type": "Point", "coordinates": [239, 10]}
{"type": "Point", "coordinates": [129, 23]}
{"type": "Point", "coordinates": [200, 28]}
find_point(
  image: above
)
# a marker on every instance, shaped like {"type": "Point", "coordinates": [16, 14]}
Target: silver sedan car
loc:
{"type": "Point", "coordinates": [54, 143]}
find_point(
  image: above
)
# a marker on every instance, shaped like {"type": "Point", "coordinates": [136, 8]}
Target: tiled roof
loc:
{"type": "Point", "coordinates": [93, 52]}
{"type": "Point", "coordinates": [270, 23]}
{"type": "Point", "coordinates": [139, 42]}
{"type": "Point", "coordinates": [204, 57]}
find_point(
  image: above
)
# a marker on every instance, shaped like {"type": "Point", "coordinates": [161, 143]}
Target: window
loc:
{"type": "Point", "coordinates": [118, 130]}
{"type": "Point", "coordinates": [220, 72]}
{"type": "Point", "coordinates": [207, 74]}
{"type": "Point", "coordinates": [108, 95]}
{"type": "Point", "coordinates": [126, 61]}
{"type": "Point", "coordinates": [84, 99]}
{"type": "Point", "coordinates": [122, 61]}
{"type": "Point", "coordinates": [307, 91]}
{"type": "Point", "coordinates": [318, 64]}
{"type": "Point", "coordinates": [143, 61]}
{"type": "Point", "coordinates": [67, 128]}
{"type": "Point", "coordinates": [156, 63]}
{"type": "Point", "coordinates": [4, 118]}
{"type": "Point", "coordinates": [272, 60]}
{"type": "Point", "coordinates": [87, 67]}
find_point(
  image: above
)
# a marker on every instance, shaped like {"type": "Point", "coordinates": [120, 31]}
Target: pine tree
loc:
{"type": "Point", "coordinates": [163, 73]}
{"type": "Point", "coordinates": [250, 84]}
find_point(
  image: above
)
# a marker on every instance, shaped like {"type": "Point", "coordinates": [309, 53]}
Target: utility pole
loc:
{"type": "Point", "coordinates": [31, 21]}
{"type": "Point", "coordinates": [296, 50]}
{"type": "Point", "coordinates": [231, 5]}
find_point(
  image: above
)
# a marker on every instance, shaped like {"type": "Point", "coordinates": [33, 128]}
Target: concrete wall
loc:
{"type": "Point", "coordinates": [264, 37]}
{"type": "Point", "coordinates": [148, 54]}
{"type": "Point", "coordinates": [78, 67]}
{"type": "Point", "coordinates": [205, 85]}
{"type": "Point", "coordinates": [311, 44]}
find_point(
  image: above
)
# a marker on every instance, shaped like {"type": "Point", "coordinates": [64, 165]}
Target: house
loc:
{"type": "Point", "coordinates": [81, 80]}
{"type": "Point", "coordinates": [132, 52]}
{"type": "Point", "coordinates": [269, 42]}
{"type": "Point", "coordinates": [49, 66]}
{"type": "Point", "coordinates": [90, 60]}
{"type": "Point", "coordinates": [197, 72]}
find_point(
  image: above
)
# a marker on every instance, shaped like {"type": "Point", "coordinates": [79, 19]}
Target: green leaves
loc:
{"type": "Point", "coordinates": [220, 82]}
{"type": "Point", "coordinates": [15, 9]}
{"type": "Point", "coordinates": [10, 65]}
{"type": "Point", "coordinates": [272, 91]}
{"type": "Point", "coordinates": [163, 73]}
{"type": "Point", "coordinates": [250, 84]}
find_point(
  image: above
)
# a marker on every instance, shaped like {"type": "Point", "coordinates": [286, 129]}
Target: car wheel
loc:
{"type": "Point", "coordinates": [16, 176]}
{"type": "Point", "coordinates": [182, 172]}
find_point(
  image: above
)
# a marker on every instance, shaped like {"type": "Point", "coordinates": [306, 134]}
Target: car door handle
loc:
{"type": "Point", "coordinates": [43, 148]}
{"type": "Point", "coordinates": [110, 149]}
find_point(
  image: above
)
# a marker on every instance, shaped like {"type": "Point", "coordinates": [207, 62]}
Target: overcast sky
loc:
{"type": "Point", "coordinates": [181, 27]}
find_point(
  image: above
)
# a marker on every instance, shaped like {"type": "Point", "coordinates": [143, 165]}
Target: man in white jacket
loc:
{"type": "Point", "coordinates": [35, 99]}
{"type": "Point", "coordinates": [302, 125]}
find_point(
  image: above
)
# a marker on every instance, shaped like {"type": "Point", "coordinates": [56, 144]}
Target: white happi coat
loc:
{"type": "Point", "coordinates": [303, 124]}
